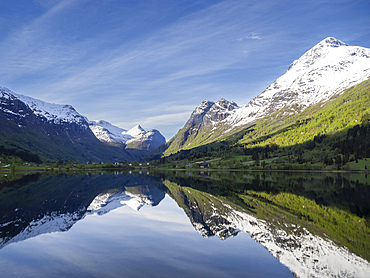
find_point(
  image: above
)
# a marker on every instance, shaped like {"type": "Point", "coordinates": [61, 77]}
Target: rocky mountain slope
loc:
{"type": "Point", "coordinates": [149, 141]}
{"type": "Point", "coordinates": [324, 71]}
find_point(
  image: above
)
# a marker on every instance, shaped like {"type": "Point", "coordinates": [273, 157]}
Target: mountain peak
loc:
{"type": "Point", "coordinates": [136, 131]}
{"type": "Point", "coordinates": [203, 107]}
{"type": "Point", "coordinates": [197, 115]}
{"type": "Point", "coordinates": [226, 104]}
{"type": "Point", "coordinates": [331, 42]}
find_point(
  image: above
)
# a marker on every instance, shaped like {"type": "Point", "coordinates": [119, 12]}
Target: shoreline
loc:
{"type": "Point", "coordinates": [189, 170]}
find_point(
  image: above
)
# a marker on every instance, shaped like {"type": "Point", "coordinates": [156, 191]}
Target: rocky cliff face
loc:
{"type": "Point", "coordinates": [209, 112]}
{"type": "Point", "coordinates": [204, 124]}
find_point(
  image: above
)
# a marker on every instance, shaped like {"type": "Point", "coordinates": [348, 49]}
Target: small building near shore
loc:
{"type": "Point", "coordinates": [204, 165]}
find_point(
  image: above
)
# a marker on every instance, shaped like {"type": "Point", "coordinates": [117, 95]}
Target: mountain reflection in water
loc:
{"type": "Point", "coordinates": [298, 218]}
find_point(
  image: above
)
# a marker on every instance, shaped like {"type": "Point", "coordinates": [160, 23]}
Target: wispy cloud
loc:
{"type": "Point", "coordinates": [252, 36]}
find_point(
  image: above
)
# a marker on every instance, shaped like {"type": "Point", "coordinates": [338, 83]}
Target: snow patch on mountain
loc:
{"type": "Point", "coordinates": [136, 131]}
{"type": "Point", "coordinates": [149, 140]}
{"type": "Point", "coordinates": [203, 108]}
{"type": "Point", "coordinates": [108, 133]}
{"type": "Point", "coordinates": [107, 125]}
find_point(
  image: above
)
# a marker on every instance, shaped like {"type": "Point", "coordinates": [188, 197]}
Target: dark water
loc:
{"type": "Point", "coordinates": [178, 224]}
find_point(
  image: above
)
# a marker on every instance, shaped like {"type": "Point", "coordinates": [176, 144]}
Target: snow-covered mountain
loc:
{"type": "Point", "coordinates": [43, 130]}
{"type": "Point", "coordinates": [149, 141]}
{"type": "Point", "coordinates": [19, 109]}
{"type": "Point", "coordinates": [22, 107]}
{"type": "Point", "coordinates": [326, 70]}
{"type": "Point", "coordinates": [135, 138]}
{"type": "Point", "coordinates": [108, 133]}
{"type": "Point", "coordinates": [136, 131]}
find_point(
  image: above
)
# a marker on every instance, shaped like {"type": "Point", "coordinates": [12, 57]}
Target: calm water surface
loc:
{"type": "Point", "coordinates": [184, 225]}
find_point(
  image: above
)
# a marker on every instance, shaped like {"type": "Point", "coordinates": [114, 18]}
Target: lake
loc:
{"type": "Point", "coordinates": [185, 224]}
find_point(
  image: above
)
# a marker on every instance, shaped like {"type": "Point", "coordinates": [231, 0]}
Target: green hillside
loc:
{"type": "Point", "coordinates": [334, 134]}
{"type": "Point", "coordinates": [184, 141]}
{"type": "Point", "coordinates": [330, 118]}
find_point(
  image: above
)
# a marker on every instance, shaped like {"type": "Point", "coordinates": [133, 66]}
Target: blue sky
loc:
{"type": "Point", "coordinates": [153, 62]}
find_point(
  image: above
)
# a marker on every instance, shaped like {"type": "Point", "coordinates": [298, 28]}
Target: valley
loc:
{"type": "Point", "coordinates": [314, 117]}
